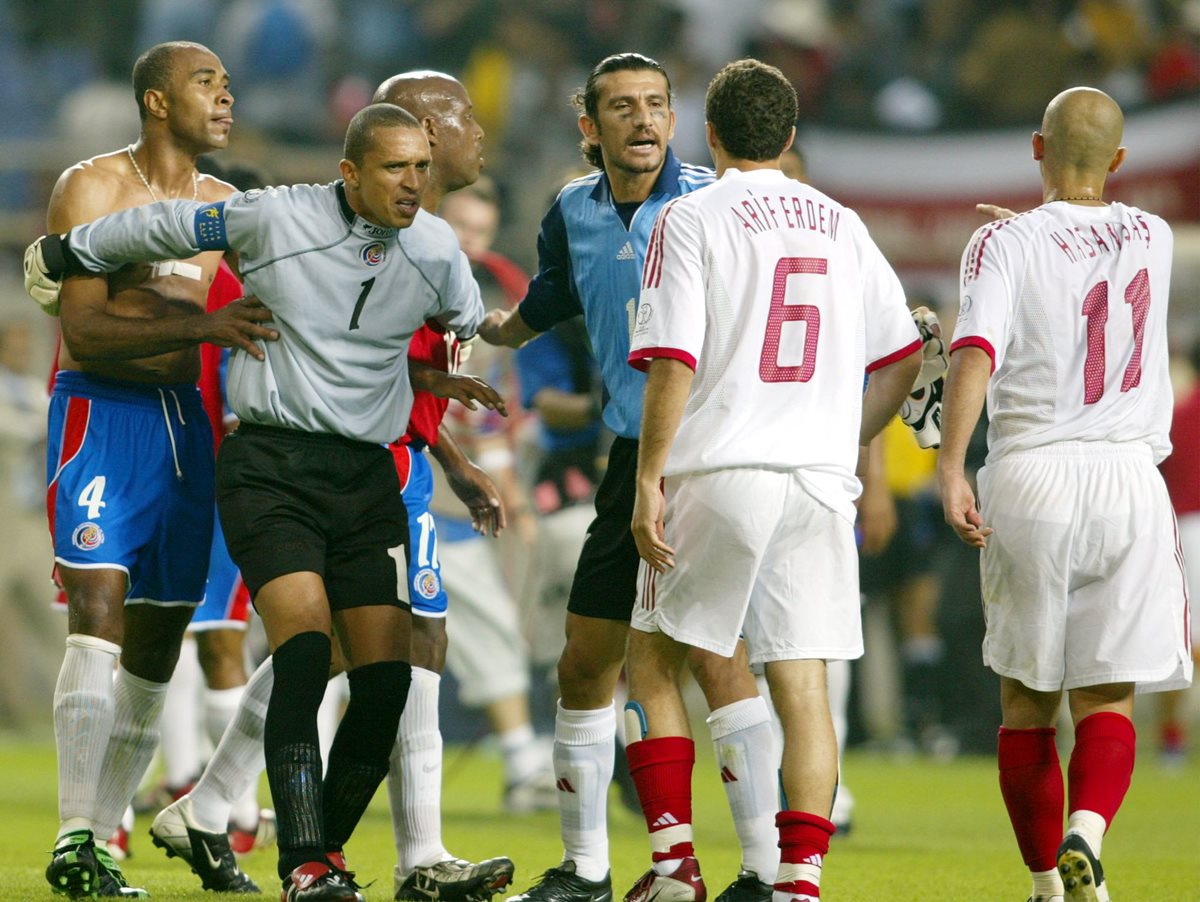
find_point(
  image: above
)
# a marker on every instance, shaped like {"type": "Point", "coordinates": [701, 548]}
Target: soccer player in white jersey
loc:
{"type": "Point", "coordinates": [1063, 329]}
{"type": "Point", "coordinates": [763, 301]}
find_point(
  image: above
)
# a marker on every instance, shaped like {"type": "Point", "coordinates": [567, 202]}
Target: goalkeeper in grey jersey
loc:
{"type": "Point", "coordinates": [308, 496]}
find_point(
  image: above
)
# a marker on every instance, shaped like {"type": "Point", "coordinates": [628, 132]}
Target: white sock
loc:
{"type": "Point", "coordinates": [415, 778]}
{"type": "Point", "coordinates": [1090, 826]}
{"type": "Point", "coordinates": [136, 717]}
{"type": "Point", "coordinates": [181, 719]}
{"type": "Point", "coordinates": [329, 715]}
{"type": "Point", "coordinates": [83, 719]}
{"type": "Point", "coordinates": [523, 757]}
{"type": "Point", "coordinates": [584, 744]}
{"type": "Point", "coordinates": [220, 707]}
{"type": "Point", "coordinates": [742, 741]}
{"type": "Point", "coordinates": [234, 767]}
{"type": "Point", "coordinates": [1047, 883]}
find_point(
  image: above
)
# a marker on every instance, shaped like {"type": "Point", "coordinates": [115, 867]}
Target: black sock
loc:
{"type": "Point", "coordinates": [293, 749]}
{"type": "Point", "coordinates": [358, 761]}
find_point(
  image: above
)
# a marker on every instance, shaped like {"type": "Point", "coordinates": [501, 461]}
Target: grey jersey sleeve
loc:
{"type": "Point", "coordinates": [461, 306]}
{"type": "Point", "coordinates": [165, 230]}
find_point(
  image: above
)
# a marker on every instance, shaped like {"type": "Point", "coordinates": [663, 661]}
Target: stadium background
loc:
{"type": "Point", "coordinates": [911, 111]}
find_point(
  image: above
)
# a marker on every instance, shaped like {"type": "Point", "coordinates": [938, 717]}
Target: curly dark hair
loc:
{"type": "Point", "coordinates": [752, 107]}
{"type": "Point", "coordinates": [586, 99]}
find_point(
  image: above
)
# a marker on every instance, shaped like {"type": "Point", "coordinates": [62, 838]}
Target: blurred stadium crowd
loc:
{"type": "Point", "coordinates": [302, 68]}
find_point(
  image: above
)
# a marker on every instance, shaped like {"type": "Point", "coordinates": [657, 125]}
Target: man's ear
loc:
{"type": "Point", "coordinates": [1039, 146]}
{"type": "Point", "coordinates": [349, 173]}
{"type": "Point", "coordinates": [430, 125]}
{"type": "Point", "coordinates": [156, 103]}
{"type": "Point", "coordinates": [1117, 160]}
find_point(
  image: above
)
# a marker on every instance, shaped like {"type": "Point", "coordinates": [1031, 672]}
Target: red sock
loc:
{"type": "Point", "coordinates": [1032, 785]}
{"type": "Point", "coordinates": [662, 773]}
{"type": "Point", "coordinates": [803, 845]}
{"type": "Point", "coordinates": [1101, 764]}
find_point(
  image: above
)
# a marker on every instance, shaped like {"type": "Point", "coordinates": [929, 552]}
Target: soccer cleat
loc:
{"type": "Point", "coordinates": [457, 880]}
{"type": "Point", "coordinates": [537, 792]}
{"type": "Point", "coordinates": [111, 882]}
{"type": "Point", "coordinates": [747, 888]}
{"type": "Point", "coordinates": [562, 884]}
{"type": "Point", "coordinates": [208, 854]}
{"type": "Point", "coordinates": [73, 870]}
{"type": "Point", "coordinates": [1045, 899]}
{"type": "Point", "coordinates": [683, 885]}
{"type": "Point", "coordinates": [1082, 875]}
{"type": "Point", "coordinates": [261, 836]}
{"type": "Point", "coordinates": [317, 881]}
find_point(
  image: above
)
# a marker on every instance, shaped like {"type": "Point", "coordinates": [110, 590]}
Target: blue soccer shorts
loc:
{"type": "Point", "coordinates": [129, 473]}
{"type": "Point", "coordinates": [424, 570]}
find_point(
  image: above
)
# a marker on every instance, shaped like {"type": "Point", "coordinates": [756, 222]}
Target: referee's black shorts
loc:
{"type": "Point", "coordinates": [293, 501]}
{"type": "Point", "coordinates": [605, 583]}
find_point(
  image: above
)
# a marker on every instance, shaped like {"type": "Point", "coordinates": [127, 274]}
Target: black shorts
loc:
{"type": "Point", "coordinates": [294, 501]}
{"type": "Point", "coordinates": [605, 583]}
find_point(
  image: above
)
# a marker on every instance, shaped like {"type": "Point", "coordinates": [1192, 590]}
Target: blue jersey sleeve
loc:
{"type": "Point", "coordinates": [551, 297]}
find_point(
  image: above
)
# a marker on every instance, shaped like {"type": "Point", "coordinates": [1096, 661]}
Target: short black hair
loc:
{"type": "Point", "coordinates": [752, 108]}
{"type": "Point", "coordinates": [154, 68]}
{"type": "Point", "coordinates": [586, 99]}
{"type": "Point", "coordinates": [361, 132]}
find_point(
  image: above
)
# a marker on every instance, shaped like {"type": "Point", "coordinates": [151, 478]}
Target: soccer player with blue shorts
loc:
{"type": "Point", "coordinates": [130, 469]}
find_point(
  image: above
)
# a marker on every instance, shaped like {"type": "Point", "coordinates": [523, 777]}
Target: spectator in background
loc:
{"type": "Point", "coordinates": [29, 647]}
{"type": "Point", "coordinates": [1181, 471]}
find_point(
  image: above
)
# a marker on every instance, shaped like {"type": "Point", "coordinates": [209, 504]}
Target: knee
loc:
{"type": "Point", "coordinates": [220, 654]}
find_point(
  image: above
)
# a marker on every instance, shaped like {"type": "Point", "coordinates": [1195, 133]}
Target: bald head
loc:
{"type": "Point", "coordinates": [423, 92]}
{"type": "Point", "coordinates": [1081, 131]}
{"type": "Point", "coordinates": [443, 107]}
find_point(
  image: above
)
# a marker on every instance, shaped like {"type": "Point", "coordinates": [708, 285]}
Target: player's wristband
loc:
{"type": "Point", "coordinates": [59, 259]}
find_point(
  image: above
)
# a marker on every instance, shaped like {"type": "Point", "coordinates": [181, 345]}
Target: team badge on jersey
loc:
{"type": "Point", "coordinates": [88, 536]}
{"type": "Point", "coordinates": [427, 583]}
{"type": "Point", "coordinates": [373, 254]}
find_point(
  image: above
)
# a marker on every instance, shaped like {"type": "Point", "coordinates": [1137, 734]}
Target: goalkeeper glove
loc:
{"type": "Point", "coordinates": [922, 409]}
{"type": "Point", "coordinates": [40, 283]}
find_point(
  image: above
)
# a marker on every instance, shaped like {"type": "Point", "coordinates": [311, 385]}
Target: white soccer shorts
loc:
{"type": "Point", "coordinates": [1189, 540]}
{"type": "Point", "coordinates": [1083, 580]}
{"type": "Point", "coordinates": [759, 556]}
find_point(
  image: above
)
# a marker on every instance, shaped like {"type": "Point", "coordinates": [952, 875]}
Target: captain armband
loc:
{"type": "Point", "coordinates": [209, 226]}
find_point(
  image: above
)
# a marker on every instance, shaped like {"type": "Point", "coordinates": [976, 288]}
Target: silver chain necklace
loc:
{"type": "Point", "coordinates": [146, 182]}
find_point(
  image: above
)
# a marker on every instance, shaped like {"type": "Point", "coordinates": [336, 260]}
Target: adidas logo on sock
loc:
{"type": "Point", "coordinates": [564, 785]}
{"type": "Point", "coordinates": [626, 253]}
{"type": "Point", "coordinates": [727, 775]}
{"type": "Point", "coordinates": [666, 820]}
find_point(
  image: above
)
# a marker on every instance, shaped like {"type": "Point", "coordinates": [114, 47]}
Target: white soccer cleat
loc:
{"type": "Point", "coordinates": [209, 854]}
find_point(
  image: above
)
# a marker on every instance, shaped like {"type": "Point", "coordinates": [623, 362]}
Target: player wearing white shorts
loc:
{"type": "Point", "coordinates": [1063, 328]}
{"type": "Point", "coordinates": [763, 301]}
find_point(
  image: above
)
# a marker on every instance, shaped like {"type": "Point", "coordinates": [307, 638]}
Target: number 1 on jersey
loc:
{"type": "Point", "coordinates": [362, 299]}
{"type": "Point", "coordinates": [769, 367]}
{"type": "Point", "coordinates": [1095, 309]}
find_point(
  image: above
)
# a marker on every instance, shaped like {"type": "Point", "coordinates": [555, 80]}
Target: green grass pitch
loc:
{"type": "Point", "coordinates": [923, 831]}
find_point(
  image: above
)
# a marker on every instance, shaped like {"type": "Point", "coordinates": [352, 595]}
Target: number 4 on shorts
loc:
{"type": "Point", "coordinates": [92, 497]}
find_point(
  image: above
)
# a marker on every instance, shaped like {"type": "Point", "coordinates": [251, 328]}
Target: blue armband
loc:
{"type": "Point", "coordinates": [210, 227]}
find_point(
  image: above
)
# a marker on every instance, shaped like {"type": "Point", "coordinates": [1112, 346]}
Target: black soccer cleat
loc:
{"type": "Point", "coordinates": [112, 883]}
{"type": "Point", "coordinates": [457, 880]}
{"type": "Point", "coordinates": [316, 881]}
{"type": "Point", "coordinates": [208, 854]}
{"type": "Point", "coordinates": [73, 870]}
{"type": "Point", "coordinates": [747, 888]}
{"type": "Point", "coordinates": [561, 884]}
{"type": "Point", "coordinates": [1082, 875]}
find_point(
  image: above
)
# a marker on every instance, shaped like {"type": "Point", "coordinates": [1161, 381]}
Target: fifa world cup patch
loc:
{"type": "Point", "coordinates": [427, 583]}
{"type": "Point", "coordinates": [87, 536]}
{"type": "Point", "coordinates": [374, 253]}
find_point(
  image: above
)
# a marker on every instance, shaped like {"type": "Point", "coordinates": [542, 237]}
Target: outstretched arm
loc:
{"type": "Point", "coordinates": [966, 390]}
{"type": "Point", "coordinates": [471, 484]}
{"type": "Point", "coordinates": [506, 328]}
{"type": "Point", "coordinates": [668, 382]}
